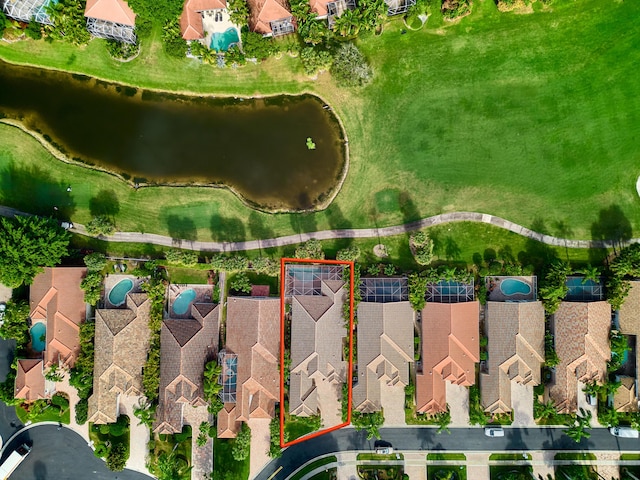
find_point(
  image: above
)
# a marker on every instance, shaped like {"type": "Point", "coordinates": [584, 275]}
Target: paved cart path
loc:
{"type": "Point", "coordinates": [135, 237]}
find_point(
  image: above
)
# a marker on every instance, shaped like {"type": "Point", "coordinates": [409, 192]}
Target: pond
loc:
{"type": "Point", "coordinates": [257, 147]}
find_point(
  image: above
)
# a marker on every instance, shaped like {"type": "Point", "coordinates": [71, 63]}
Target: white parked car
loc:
{"type": "Point", "coordinates": [592, 400]}
{"type": "Point", "coordinates": [384, 450]}
{"type": "Point", "coordinates": [625, 432]}
{"type": "Point", "coordinates": [494, 432]}
{"type": "Point", "coordinates": [66, 225]}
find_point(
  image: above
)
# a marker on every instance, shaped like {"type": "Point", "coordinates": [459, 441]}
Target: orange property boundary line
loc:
{"type": "Point", "coordinates": [283, 261]}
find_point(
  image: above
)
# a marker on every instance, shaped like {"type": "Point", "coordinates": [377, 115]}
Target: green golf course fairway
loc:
{"type": "Point", "coordinates": [531, 117]}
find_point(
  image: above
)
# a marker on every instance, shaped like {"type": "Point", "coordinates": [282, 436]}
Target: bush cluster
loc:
{"type": "Point", "coordinates": [185, 258]}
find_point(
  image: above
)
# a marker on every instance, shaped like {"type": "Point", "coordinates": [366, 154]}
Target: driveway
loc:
{"type": "Point", "coordinates": [458, 401]}
{"type": "Point", "coordinates": [392, 400]}
{"type": "Point", "coordinates": [522, 402]}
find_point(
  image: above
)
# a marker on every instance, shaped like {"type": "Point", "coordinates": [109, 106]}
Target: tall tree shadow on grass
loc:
{"type": "Point", "coordinates": [258, 228]}
{"type": "Point", "coordinates": [104, 203]}
{"type": "Point", "coordinates": [33, 190]}
{"type": "Point", "coordinates": [409, 209]}
{"type": "Point", "coordinates": [303, 222]}
{"type": "Point", "coordinates": [612, 224]}
{"type": "Point", "coordinates": [537, 254]}
{"type": "Point", "coordinates": [181, 228]}
{"type": "Point", "coordinates": [337, 221]}
{"type": "Point", "coordinates": [227, 229]}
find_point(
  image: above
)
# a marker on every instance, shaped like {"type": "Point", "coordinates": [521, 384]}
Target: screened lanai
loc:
{"type": "Point", "coordinates": [111, 30]}
{"type": "Point", "coordinates": [396, 7]}
{"type": "Point", "coordinates": [229, 377]}
{"type": "Point", "coordinates": [26, 10]}
{"type": "Point", "coordinates": [307, 279]}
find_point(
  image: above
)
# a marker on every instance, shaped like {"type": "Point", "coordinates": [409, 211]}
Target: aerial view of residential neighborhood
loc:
{"type": "Point", "coordinates": [319, 239]}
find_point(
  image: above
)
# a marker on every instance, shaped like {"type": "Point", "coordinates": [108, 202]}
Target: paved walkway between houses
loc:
{"type": "Point", "coordinates": [458, 401]}
{"type": "Point", "coordinates": [201, 457]}
{"type": "Point", "coordinates": [139, 436]}
{"type": "Point", "coordinates": [135, 237]}
{"type": "Point", "coordinates": [522, 402]}
{"type": "Point", "coordinates": [260, 442]}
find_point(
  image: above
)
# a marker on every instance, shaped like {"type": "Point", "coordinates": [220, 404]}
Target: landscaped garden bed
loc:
{"type": "Point", "coordinates": [171, 454]}
{"type": "Point", "coordinates": [111, 442]}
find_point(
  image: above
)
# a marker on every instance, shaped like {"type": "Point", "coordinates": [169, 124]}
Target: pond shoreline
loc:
{"type": "Point", "coordinates": [59, 152]}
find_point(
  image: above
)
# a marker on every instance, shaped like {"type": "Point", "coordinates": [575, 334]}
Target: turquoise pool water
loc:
{"type": "Point", "coordinates": [118, 293]}
{"type": "Point", "coordinates": [38, 333]}
{"type": "Point", "coordinates": [222, 41]}
{"type": "Point", "coordinates": [183, 302]}
{"type": "Point", "coordinates": [576, 286]}
{"type": "Point", "coordinates": [513, 286]}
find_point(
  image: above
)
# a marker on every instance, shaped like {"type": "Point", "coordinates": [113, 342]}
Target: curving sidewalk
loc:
{"type": "Point", "coordinates": [162, 240]}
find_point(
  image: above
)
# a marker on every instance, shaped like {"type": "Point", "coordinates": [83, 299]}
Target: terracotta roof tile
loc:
{"type": "Point", "coordinates": [582, 344]}
{"type": "Point", "coordinates": [191, 18]}
{"type": "Point", "coordinates": [57, 299]}
{"type": "Point", "coordinates": [185, 347]}
{"type": "Point", "coordinates": [116, 11]}
{"type": "Point", "coordinates": [263, 12]}
{"type": "Point", "coordinates": [121, 345]}
{"type": "Point", "coordinates": [253, 334]}
{"type": "Point", "coordinates": [450, 349]}
{"type": "Point", "coordinates": [30, 380]}
{"type": "Point", "coordinates": [385, 350]}
{"type": "Point", "coordinates": [516, 351]}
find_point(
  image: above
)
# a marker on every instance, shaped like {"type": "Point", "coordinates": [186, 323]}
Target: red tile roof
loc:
{"type": "Point", "coordinates": [450, 349]}
{"type": "Point", "coordinates": [263, 12]}
{"type": "Point", "coordinates": [56, 298]}
{"type": "Point", "coordinates": [191, 18]}
{"type": "Point", "coordinates": [116, 11]}
{"type": "Point", "coordinates": [29, 380]}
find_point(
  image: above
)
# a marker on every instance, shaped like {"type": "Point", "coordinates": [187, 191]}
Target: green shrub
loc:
{"type": "Point", "coordinates": [117, 457]}
{"type": "Point", "coordinates": [315, 59]}
{"type": "Point", "coordinates": [122, 50]}
{"type": "Point", "coordinates": [310, 249]}
{"type": "Point", "coordinates": [101, 450]}
{"type": "Point", "coordinates": [82, 410]}
{"type": "Point", "coordinates": [257, 46]}
{"type": "Point", "coordinates": [95, 262]}
{"type": "Point", "coordinates": [350, 68]}
{"type": "Point", "coordinates": [33, 30]}
{"type": "Point", "coordinates": [60, 401]}
{"type": "Point", "coordinates": [350, 254]}
{"type": "Point", "coordinates": [100, 225]}
{"type": "Point", "coordinates": [240, 283]}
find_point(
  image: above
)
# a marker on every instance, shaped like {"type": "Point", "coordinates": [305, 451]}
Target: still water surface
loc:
{"type": "Point", "coordinates": [256, 146]}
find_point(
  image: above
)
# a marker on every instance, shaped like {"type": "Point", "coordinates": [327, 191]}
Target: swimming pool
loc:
{"type": "Point", "coordinates": [118, 294]}
{"type": "Point", "coordinates": [513, 286]}
{"type": "Point", "coordinates": [183, 302]}
{"type": "Point", "coordinates": [576, 286]}
{"type": "Point", "coordinates": [222, 41]}
{"type": "Point", "coordinates": [38, 337]}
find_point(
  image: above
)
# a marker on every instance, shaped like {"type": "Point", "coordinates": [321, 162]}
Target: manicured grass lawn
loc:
{"type": "Point", "coordinates": [375, 456]}
{"type": "Point", "coordinates": [187, 275]}
{"type": "Point", "coordinates": [509, 456]}
{"type": "Point", "coordinates": [223, 460]}
{"type": "Point", "coordinates": [297, 427]}
{"type": "Point", "coordinates": [51, 414]}
{"type": "Point", "coordinates": [459, 471]}
{"type": "Point", "coordinates": [630, 456]}
{"type": "Point", "coordinates": [312, 466]}
{"type": "Point", "coordinates": [446, 456]}
{"type": "Point", "coordinates": [529, 117]}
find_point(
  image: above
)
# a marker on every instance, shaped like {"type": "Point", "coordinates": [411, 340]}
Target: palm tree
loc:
{"type": "Point", "coordinates": [590, 273]}
{"type": "Point", "coordinates": [578, 430]}
{"type": "Point", "coordinates": [545, 410]}
{"type": "Point", "coordinates": [592, 388]}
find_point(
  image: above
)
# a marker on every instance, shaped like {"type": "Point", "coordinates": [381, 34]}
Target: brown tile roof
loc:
{"type": "Point", "coordinates": [263, 12]}
{"type": "Point", "coordinates": [121, 346]}
{"type": "Point", "coordinates": [582, 344]}
{"type": "Point", "coordinates": [629, 316]}
{"type": "Point", "coordinates": [516, 351]}
{"type": "Point", "coordinates": [191, 18]}
{"type": "Point", "coordinates": [385, 350]}
{"type": "Point", "coordinates": [625, 399]}
{"type": "Point", "coordinates": [56, 298]}
{"type": "Point", "coordinates": [228, 425]}
{"type": "Point", "coordinates": [259, 290]}
{"type": "Point", "coordinates": [116, 11]}
{"type": "Point", "coordinates": [317, 333]}
{"type": "Point", "coordinates": [30, 380]}
{"type": "Point", "coordinates": [185, 346]}
{"type": "Point", "coordinates": [450, 349]}
{"type": "Point", "coordinates": [253, 334]}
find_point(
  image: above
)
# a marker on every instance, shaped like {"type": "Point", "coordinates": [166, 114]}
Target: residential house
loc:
{"type": "Point", "coordinates": [28, 10]}
{"type": "Point", "coordinates": [270, 17]}
{"type": "Point", "coordinates": [318, 368]}
{"type": "Point", "coordinates": [57, 307]}
{"type": "Point", "coordinates": [385, 350]}
{"type": "Point", "coordinates": [253, 341]}
{"type": "Point", "coordinates": [111, 19]}
{"type": "Point", "coordinates": [331, 9]}
{"type": "Point", "coordinates": [581, 331]}
{"type": "Point", "coordinates": [185, 347]}
{"type": "Point", "coordinates": [121, 345]}
{"type": "Point", "coordinates": [450, 350]}
{"type": "Point", "coordinates": [30, 382]}
{"type": "Point", "coordinates": [515, 332]}
{"type": "Point", "coordinates": [626, 398]}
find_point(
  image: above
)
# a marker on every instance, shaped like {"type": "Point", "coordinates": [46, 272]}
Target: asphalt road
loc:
{"type": "Point", "coordinates": [459, 440]}
{"type": "Point", "coordinates": [9, 423]}
{"type": "Point", "coordinates": [61, 455]}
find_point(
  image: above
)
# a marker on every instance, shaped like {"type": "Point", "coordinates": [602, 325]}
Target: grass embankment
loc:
{"type": "Point", "coordinates": [506, 472]}
{"type": "Point", "coordinates": [312, 466]}
{"type": "Point", "coordinates": [446, 456]}
{"type": "Point", "coordinates": [529, 117]}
